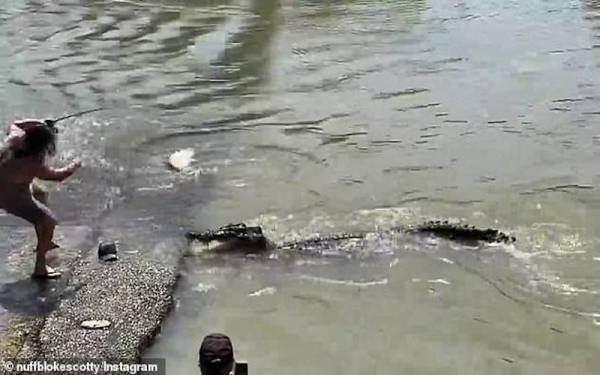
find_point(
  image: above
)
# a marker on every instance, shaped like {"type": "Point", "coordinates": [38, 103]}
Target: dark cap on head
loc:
{"type": "Point", "coordinates": [216, 354]}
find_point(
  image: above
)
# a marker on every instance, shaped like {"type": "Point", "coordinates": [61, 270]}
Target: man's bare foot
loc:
{"type": "Point", "coordinates": [47, 273]}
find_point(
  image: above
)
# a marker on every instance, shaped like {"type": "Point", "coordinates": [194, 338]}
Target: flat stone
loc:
{"type": "Point", "coordinates": [95, 324]}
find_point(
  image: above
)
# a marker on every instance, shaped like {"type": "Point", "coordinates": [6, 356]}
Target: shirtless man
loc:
{"type": "Point", "coordinates": [23, 157]}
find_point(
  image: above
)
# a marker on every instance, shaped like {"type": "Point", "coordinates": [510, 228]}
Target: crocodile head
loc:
{"type": "Point", "coordinates": [233, 238]}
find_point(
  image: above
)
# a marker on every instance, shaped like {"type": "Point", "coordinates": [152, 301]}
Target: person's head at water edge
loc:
{"type": "Point", "coordinates": [216, 356]}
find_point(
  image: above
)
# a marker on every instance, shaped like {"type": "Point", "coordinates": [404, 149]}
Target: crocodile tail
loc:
{"type": "Point", "coordinates": [458, 232]}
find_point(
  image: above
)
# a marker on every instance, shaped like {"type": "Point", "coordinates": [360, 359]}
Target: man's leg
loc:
{"type": "Point", "coordinates": [41, 195]}
{"type": "Point", "coordinates": [21, 203]}
{"type": "Point", "coordinates": [44, 229]}
{"type": "Point", "coordinates": [44, 232]}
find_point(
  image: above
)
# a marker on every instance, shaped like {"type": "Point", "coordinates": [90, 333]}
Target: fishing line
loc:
{"type": "Point", "coordinates": [52, 123]}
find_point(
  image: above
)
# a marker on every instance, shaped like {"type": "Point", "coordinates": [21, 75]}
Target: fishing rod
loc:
{"type": "Point", "coordinates": [52, 123]}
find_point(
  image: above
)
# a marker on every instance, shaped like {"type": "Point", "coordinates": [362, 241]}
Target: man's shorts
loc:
{"type": "Point", "coordinates": [18, 200]}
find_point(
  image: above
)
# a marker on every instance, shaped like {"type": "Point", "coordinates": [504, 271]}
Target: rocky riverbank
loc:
{"type": "Point", "coordinates": [134, 294]}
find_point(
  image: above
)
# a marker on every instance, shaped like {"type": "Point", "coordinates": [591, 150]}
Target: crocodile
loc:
{"type": "Point", "coordinates": [251, 239]}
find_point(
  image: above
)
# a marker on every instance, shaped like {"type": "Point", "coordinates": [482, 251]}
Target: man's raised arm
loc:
{"type": "Point", "coordinates": [57, 174]}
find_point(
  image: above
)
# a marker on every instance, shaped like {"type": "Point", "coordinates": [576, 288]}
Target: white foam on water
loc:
{"type": "Point", "coordinates": [238, 183]}
{"type": "Point", "coordinates": [439, 281]}
{"type": "Point", "coordinates": [157, 188]}
{"type": "Point", "coordinates": [345, 282]}
{"type": "Point", "coordinates": [539, 252]}
{"type": "Point", "coordinates": [550, 225]}
{"type": "Point", "coordinates": [202, 171]}
{"type": "Point", "coordinates": [522, 255]}
{"type": "Point", "coordinates": [197, 248]}
{"type": "Point", "coordinates": [311, 262]}
{"type": "Point", "coordinates": [264, 291]}
{"type": "Point", "coordinates": [462, 246]}
{"type": "Point", "coordinates": [212, 271]}
{"type": "Point", "coordinates": [228, 162]}
{"type": "Point", "coordinates": [585, 314]}
{"type": "Point", "coordinates": [204, 287]}
{"type": "Point", "coordinates": [567, 289]}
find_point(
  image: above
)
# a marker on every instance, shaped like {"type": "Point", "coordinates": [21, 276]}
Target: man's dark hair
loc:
{"type": "Point", "coordinates": [40, 141]}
